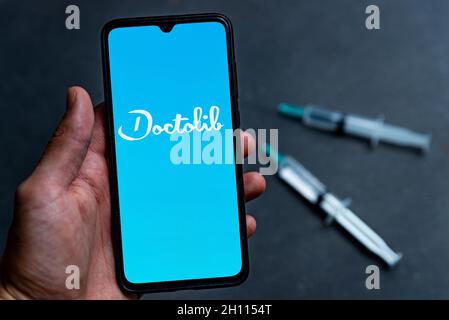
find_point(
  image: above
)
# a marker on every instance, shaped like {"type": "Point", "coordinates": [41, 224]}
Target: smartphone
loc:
{"type": "Point", "coordinates": [177, 190]}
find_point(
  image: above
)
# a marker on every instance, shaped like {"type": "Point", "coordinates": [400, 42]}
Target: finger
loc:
{"type": "Point", "coordinates": [248, 144]}
{"type": "Point", "coordinates": [250, 225]}
{"type": "Point", "coordinates": [67, 149]}
{"type": "Point", "coordinates": [254, 185]}
{"type": "Point", "coordinates": [98, 141]}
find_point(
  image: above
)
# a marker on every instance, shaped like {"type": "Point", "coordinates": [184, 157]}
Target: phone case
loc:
{"type": "Point", "coordinates": [167, 23]}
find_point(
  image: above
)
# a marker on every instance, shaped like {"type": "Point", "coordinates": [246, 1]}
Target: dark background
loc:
{"type": "Point", "coordinates": [296, 51]}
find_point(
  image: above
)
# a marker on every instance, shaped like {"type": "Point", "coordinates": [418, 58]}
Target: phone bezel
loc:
{"type": "Point", "coordinates": [115, 211]}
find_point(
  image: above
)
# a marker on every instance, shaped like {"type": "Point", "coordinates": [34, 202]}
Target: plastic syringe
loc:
{"type": "Point", "coordinates": [374, 130]}
{"type": "Point", "coordinates": [300, 179]}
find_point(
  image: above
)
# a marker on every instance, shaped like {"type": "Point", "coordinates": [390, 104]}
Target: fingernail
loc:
{"type": "Point", "coordinates": [71, 97]}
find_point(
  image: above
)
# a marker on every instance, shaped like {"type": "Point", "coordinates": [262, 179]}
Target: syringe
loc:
{"type": "Point", "coordinates": [374, 130]}
{"type": "Point", "coordinates": [300, 179]}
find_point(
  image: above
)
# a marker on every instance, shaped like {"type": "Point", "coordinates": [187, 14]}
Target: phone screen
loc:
{"type": "Point", "coordinates": [175, 166]}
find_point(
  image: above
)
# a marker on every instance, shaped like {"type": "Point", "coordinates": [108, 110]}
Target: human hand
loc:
{"type": "Point", "coordinates": [62, 213]}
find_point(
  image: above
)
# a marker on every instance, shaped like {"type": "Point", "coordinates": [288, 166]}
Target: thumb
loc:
{"type": "Point", "coordinates": [67, 149]}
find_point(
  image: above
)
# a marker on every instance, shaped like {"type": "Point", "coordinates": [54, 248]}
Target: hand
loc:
{"type": "Point", "coordinates": [63, 213]}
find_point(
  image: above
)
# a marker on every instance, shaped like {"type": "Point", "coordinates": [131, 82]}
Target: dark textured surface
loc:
{"type": "Point", "coordinates": [295, 51]}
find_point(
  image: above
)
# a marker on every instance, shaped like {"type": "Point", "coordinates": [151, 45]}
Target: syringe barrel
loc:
{"type": "Point", "coordinates": [322, 118]}
{"type": "Point", "coordinates": [376, 130]}
{"type": "Point", "coordinates": [300, 179]}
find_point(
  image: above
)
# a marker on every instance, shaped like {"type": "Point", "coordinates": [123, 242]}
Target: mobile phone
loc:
{"type": "Point", "coordinates": [178, 209]}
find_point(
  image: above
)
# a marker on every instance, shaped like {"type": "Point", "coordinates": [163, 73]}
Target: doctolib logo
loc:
{"type": "Point", "coordinates": [200, 122]}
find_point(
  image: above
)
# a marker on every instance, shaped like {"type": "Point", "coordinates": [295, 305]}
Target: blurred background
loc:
{"type": "Point", "coordinates": [301, 51]}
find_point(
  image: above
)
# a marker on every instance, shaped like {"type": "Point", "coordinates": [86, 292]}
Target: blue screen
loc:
{"type": "Point", "coordinates": [179, 221]}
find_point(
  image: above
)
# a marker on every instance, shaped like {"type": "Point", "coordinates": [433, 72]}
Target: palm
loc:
{"type": "Point", "coordinates": [73, 228]}
{"type": "Point", "coordinates": [91, 189]}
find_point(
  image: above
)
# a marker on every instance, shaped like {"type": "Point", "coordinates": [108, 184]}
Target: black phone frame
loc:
{"type": "Point", "coordinates": [168, 22]}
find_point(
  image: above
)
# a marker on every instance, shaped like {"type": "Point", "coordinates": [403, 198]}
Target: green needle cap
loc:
{"type": "Point", "coordinates": [291, 110]}
{"type": "Point", "coordinates": [273, 153]}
